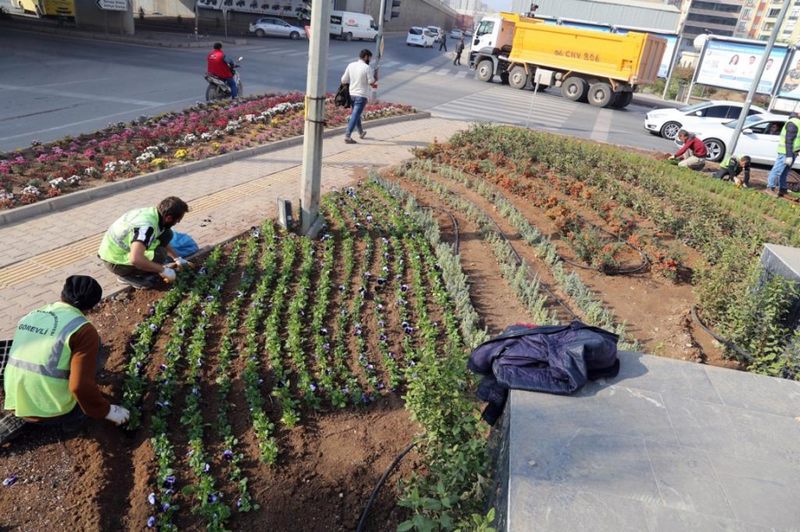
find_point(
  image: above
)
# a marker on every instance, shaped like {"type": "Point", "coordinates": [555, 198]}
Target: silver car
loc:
{"type": "Point", "coordinates": [275, 27]}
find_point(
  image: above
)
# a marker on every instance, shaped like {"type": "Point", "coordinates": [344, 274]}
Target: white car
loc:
{"type": "Point", "coordinates": [759, 138]}
{"type": "Point", "coordinates": [456, 34]}
{"type": "Point", "coordinates": [667, 122]}
{"type": "Point", "coordinates": [275, 27]}
{"type": "Point", "coordinates": [436, 31]}
{"type": "Point", "coordinates": [420, 37]}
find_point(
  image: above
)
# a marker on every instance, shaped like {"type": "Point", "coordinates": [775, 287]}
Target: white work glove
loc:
{"type": "Point", "coordinates": [182, 263]}
{"type": "Point", "coordinates": [168, 274]}
{"type": "Point", "coordinates": [789, 161]}
{"type": "Point", "coordinates": [118, 415]}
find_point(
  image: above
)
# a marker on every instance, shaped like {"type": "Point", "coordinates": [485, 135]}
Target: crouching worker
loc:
{"type": "Point", "coordinates": [136, 247]}
{"type": "Point", "coordinates": [693, 151]}
{"type": "Point", "coordinates": [49, 377]}
{"type": "Point", "coordinates": [731, 167]}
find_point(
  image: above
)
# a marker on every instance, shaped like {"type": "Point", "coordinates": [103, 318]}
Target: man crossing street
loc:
{"type": "Point", "coordinates": [442, 41]}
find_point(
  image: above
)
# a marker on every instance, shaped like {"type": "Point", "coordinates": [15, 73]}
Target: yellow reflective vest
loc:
{"type": "Point", "coordinates": [36, 379]}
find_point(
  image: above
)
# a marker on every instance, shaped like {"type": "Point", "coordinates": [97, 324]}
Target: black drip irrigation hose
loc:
{"type": "Point", "coordinates": [520, 262]}
{"type": "Point", "coordinates": [452, 220]}
{"type": "Point", "coordinates": [362, 522]}
{"type": "Point", "coordinates": [727, 343]}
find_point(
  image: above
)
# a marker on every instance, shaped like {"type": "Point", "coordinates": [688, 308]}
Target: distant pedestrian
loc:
{"type": "Point", "coordinates": [459, 51]}
{"type": "Point", "coordinates": [788, 147]}
{"type": "Point", "coordinates": [442, 42]}
{"type": "Point", "coordinates": [360, 78]}
{"type": "Point", "coordinates": [693, 151]}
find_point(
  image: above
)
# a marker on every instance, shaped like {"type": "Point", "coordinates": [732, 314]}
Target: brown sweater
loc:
{"type": "Point", "coordinates": [85, 343]}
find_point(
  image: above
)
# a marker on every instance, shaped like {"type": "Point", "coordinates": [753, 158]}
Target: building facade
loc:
{"type": "Point", "coordinates": [758, 19]}
{"type": "Point", "coordinates": [718, 17]}
{"type": "Point", "coordinates": [655, 14]}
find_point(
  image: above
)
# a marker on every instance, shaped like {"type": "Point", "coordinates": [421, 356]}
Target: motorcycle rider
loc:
{"type": "Point", "coordinates": [219, 66]}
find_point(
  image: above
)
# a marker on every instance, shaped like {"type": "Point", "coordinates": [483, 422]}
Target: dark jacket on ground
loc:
{"type": "Point", "coordinates": [553, 359]}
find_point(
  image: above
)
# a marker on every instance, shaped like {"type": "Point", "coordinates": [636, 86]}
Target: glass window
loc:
{"type": "Point", "coordinates": [415, 31]}
{"type": "Point", "coordinates": [695, 107]}
{"type": "Point", "coordinates": [719, 111]}
{"type": "Point", "coordinates": [486, 26]}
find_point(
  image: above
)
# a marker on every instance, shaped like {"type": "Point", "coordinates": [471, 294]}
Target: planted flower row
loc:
{"type": "Point", "coordinates": [124, 150]}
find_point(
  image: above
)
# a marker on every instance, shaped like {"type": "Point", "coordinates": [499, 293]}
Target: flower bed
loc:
{"type": "Point", "coordinates": [728, 226]}
{"type": "Point", "coordinates": [124, 150]}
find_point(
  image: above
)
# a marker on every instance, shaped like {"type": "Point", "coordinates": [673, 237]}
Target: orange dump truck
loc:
{"type": "Point", "coordinates": [601, 68]}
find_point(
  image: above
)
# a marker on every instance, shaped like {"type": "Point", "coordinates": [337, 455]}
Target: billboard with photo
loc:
{"type": "Point", "coordinates": [790, 84]}
{"type": "Point", "coordinates": [730, 64]}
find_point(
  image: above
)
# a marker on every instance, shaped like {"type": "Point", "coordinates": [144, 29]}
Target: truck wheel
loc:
{"type": "Point", "coordinates": [623, 100]}
{"type": "Point", "coordinates": [348, 36]}
{"type": "Point", "coordinates": [485, 70]}
{"type": "Point", "coordinates": [574, 88]}
{"type": "Point", "coordinates": [600, 94]}
{"type": "Point", "coordinates": [518, 78]}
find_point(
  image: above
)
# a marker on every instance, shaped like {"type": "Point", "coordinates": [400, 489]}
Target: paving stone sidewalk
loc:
{"type": "Point", "coordinates": [39, 254]}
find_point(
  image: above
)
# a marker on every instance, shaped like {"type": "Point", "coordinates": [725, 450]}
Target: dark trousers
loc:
{"type": "Point", "coordinates": [160, 256]}
{"type": "Point", "coordinates": [457, 60]}
{"type": "Point", "coordinates": [443, 45]}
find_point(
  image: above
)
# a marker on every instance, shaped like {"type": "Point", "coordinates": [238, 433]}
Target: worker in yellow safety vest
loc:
{"type": "Point", "coordinates": [137, 246]}
{"type": "Point", "coordinates": [788, 148]}
{"type": "Point", "coordinates": [49, 375]}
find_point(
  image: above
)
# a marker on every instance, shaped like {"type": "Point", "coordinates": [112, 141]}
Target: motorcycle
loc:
{"type": "Point", "coordinates": [218, 88]}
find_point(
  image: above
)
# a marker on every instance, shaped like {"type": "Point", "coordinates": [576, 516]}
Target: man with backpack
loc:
{"type": "Point", "coordinates": [359, 78]}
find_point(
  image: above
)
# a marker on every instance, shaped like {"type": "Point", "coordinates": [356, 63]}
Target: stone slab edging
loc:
{"type": "Point", "coordinates": [59, 203]}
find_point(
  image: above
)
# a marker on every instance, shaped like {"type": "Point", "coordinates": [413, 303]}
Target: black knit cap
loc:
{"type": "Point", "coordinates": [81, 291]}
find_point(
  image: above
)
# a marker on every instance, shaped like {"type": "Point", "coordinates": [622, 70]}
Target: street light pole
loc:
{"type": "Point", "coordinates": [311, 177]}
{"type": "Point", "coordinates": [379, 42]}
{"type": "Point", "coordinates": [754, 87]}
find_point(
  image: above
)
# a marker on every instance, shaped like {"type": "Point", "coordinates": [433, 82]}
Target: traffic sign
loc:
{"type": "Point", "coordinates": [113, 5]}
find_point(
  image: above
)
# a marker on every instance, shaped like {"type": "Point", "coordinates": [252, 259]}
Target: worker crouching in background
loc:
{"type": "Point", "coordinates": [693, 151]}
{"type": "Point", "coordinates": [731, 167]}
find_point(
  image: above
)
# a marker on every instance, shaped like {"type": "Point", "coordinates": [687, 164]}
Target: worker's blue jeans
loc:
{"type": "Point", "coordinates": [359, 102]}
{"type": "Point", "coordinates": [779, 173]}
{"type": "Point", "coordinates": [234, 89]}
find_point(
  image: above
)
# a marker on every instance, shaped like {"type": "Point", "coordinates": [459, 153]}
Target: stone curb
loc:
{"type": "Point", "coordinates": [59, 203]}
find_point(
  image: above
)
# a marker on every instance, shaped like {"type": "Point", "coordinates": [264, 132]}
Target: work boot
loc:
{"type": "Point", "coordinates": [348, 140]}
{"type": "Point", "coordinates": [10, 427]}
{"type": "Point", "coordinates": [782, 192]}
{"type": "Point", "coordinates": [363, 133]}
{"type": "Point", "coordinates": [140, 281]}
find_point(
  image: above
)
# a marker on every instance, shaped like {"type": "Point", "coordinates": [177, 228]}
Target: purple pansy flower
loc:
{"type": "Point", "coordinates": [151, 498]}
{"type": "Point", "coordinates": [10, 481]}
{"type": "Point", "coordinates": [151, 521]}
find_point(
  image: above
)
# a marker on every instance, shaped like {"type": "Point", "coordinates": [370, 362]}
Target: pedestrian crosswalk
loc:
{"type": "Point", "coordinates": [387, 65]}
{"type": "Point", "coordinates": [502, 104]}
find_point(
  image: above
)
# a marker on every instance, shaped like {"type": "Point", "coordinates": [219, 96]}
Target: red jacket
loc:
{"type": "Point", "coordinates": [217, 65]}
{"type": "Point", "coordinates": [697, 147]}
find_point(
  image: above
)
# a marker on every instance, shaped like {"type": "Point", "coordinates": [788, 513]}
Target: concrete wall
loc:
{"type": "Point", "coordinates": [168, 8]}
{"type": "Point", "coordinates": [416, 13]}
{"type": "Point", "coordinates": [639, 13]}
{"type": "Point", "coordinates": [90, 17]}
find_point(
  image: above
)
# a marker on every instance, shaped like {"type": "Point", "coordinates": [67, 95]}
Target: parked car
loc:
{"type": "Point", "coordinates": [420, 37]}
{"type": "Point", "coordinates": [456, 34]}
{"type": "Point", "coordinates": [275, 27]}
{"type": "Point", "coordinates": [759, 138]}
{"type": "Point", "coordinates": [436, 31]}
{"type": "Point", "coordinates": [348, 25]}
{"type": "Point", "coordinates": [667, 122]}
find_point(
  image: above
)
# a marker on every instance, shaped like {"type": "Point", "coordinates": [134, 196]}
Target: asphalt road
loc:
{"type": "Point", "coordinates": [55, 86]}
